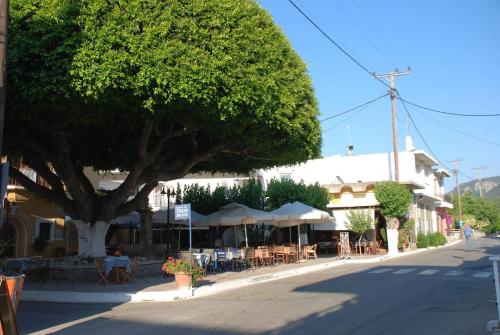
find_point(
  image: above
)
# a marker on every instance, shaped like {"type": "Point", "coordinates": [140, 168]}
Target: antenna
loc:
{"type": "Point", "coordinates": [350, 147]}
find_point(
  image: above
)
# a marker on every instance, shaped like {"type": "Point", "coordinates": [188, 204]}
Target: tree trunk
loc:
{"type": "Point", "coordinates": [392, 241]}
{"type": "Point", "coordinates": [392, 236]}
{"type": "Point", "coordinates": [91, 238]}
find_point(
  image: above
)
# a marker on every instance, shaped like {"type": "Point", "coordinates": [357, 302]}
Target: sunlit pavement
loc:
{"type": "Point", "coordinates": [444, 291]}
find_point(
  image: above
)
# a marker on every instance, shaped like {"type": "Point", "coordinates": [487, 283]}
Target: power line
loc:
{"type": "Point", "coordinates": [458, 130]}
{"type": "Point", "coordinates": [425, 142]}
{"type": "Point", "coordinates": [347, 118]}
{"type": "Point", "coordinates": [371, 73]}
{"type": "Point", "coordinates": [447, 113]}
{"type": "Point", "coordinates": [354, 108]}
{"type": "Point", "coordinates": [335, 43]}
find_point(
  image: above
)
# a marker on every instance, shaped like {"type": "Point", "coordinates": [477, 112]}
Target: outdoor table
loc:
{"type": "Point", "coordinates": [233, 254]}
{"type": "Point", "coordinates": [116, 262]}
{"type": "Point", "coordinates": [33, 267]}
{"type": "Point", "coordinates": [19, 265]}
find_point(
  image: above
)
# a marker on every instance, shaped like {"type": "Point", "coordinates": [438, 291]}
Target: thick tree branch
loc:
{"type": "Point", "coordinates": [181, 166]}
{"type": "Point", "coordinates": [66, 168]}
{"type": "Point", "coordinates": [138, 200]}
{"type": "Point", "coordinates": [54, 196]}
{"type": "Point", "coordinates": [40, 166]}
{"type": "Point", "coordinates": [118, 196]}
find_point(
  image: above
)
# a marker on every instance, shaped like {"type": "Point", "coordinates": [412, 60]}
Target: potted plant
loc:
{"type": "Point", "coordinates": [185, 275]}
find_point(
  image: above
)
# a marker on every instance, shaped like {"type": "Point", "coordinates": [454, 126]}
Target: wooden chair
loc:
{"type": "Point", "coordinates": [99, 264]}
{"type": "Point", "coordinates": [267, 259]}
{"type": "Point", "coordinates": [258, 259]}
{"type": "Point", "coordinates": [292, 254]}
{"type": "Point", "coordinates": [279, 254]}
{"type": "Point", "coordinates": [130, 276]}
{"type": "Point", "coordinates": [311, 251]}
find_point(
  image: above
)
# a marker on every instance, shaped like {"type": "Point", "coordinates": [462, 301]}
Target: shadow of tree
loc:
{"type": "Point", "coordinates": [387, 299]}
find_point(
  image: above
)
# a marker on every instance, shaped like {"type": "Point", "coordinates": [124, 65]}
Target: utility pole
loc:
{"type": "Point", "coordinates": [391, 76]}
{"type": "Point", "coordinates": [479, 169]}
{"type": "Point", "coordinates": [459, 194]}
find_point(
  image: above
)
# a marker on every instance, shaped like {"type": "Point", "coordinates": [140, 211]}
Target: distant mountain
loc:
{"type": "Point", "coordinates": [491, 187]}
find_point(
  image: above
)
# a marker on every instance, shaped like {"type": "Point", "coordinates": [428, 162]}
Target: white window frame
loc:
{"type": "Point", "coordinates": [52, 229]}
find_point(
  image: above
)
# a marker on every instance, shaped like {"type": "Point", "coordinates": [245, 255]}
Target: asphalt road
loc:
{"type": "Point", "coordinates": [444, 291]}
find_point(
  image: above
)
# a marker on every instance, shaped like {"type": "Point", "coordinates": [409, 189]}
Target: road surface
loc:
{"type": "Point", "coordinates": [443, 291]}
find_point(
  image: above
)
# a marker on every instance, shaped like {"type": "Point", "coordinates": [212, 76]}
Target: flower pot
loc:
{"type": "Point", "coordinates": [182, 280]}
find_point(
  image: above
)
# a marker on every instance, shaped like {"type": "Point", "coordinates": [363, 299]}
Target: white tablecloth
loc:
{"type": "Point", "coordinates": [111, 262]}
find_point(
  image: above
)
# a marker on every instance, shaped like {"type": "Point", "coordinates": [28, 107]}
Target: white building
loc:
{"type": "Point", "coordinates": [350, 180]}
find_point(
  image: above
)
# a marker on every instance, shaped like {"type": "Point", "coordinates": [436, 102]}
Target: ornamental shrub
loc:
{"type": "Point", "coordinates": [422, 240]}
{"type": "Point", "coordinates": [436, 239]}
{"type": "Point", "coordinates": [430, 240]}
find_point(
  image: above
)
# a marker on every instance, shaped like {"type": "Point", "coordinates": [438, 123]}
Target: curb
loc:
{"type": "Point", "coordinates": [174, 295]}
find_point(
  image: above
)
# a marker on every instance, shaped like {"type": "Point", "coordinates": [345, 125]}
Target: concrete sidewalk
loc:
{"type": "Point", "coordinates": [160, 288]}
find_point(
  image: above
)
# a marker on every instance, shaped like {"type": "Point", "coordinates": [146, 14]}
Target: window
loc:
{"type": "Point", "coordinates": [49, 230]}
{"type": "Point", "coordinates": [44, 230]}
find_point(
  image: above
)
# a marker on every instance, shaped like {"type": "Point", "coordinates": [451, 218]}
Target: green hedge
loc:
{"type": "Point", "coordinates": [422, 240]}
{"type": "Point", "coordinates": [430, 240]}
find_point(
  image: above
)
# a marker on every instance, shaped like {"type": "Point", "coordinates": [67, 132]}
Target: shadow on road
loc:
{"type": "Point", "coordinates": [410, 299]}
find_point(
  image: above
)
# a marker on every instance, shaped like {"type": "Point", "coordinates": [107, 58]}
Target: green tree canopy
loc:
{"type": "Point", "coordinates": [359, 221]}
{"type": "Point", "coordinates": [155, 88]}
{"type": "Point", "coordinates": [279, 192]}
{"type": "Point", "coordinates": [394, 199]}
{"type": "Point", "coordinates": [206, 201]}
{"type": "Point", "coordinates": [478, 210]}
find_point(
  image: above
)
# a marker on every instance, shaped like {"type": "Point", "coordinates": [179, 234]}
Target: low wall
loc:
{"type": "Point", "coordinates": [88, 273]}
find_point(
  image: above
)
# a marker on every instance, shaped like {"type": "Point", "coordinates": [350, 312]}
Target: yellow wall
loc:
{"type": "Point", "coordinates": [27, 210]}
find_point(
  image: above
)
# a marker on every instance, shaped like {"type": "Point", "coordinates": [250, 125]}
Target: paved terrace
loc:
{"type": "Point", "coordinates": [159, 282]}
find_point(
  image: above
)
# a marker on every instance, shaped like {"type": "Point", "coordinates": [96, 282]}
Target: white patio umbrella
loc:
{"type": "Point", "coordinates": [235, 214]}
{"type": "Point", "coordinates": [297, 213]}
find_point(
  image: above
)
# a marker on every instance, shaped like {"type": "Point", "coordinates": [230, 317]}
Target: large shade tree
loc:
{"type": "Point", "coordinates": [156, 88]}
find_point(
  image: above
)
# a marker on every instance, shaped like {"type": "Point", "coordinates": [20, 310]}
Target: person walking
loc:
{"type": "Point", "coordinates": [468, 237]}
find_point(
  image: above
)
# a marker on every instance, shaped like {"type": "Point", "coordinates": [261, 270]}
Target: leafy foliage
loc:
{"type": "Point", "coordinates": [475, 223]}
{"type": "Point", "coordinates": [279, 192]}
{"type": "Point", "coordinates": [430, 240]}
{"type": "Point", "coordinates": [206, 201]}
{"type": "Point", "coordinates": [485, 213]}
{"type": "Point", "coordinates": [359, 221]}
{"type": "Point", "coordinates": [405, 233]}
{"type": "Point", "coordinates": [422, 240]}
{"type": "Point", "coordinates": [155, 88]}
{"type": "Point", "coordinates": [394, 199]}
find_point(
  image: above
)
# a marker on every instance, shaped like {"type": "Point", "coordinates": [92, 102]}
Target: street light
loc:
{"type": "Point", "coordinates": [169, 193]}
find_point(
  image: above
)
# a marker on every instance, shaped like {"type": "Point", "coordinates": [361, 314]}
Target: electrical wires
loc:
{"type": "Point", "coordinates": [336, 44]}
{"type": "Point", "coordinates": [425, 142]}
{"type": "Point", "coordinates": [372, 74]}
{"type": "Point", "coordinates": [447, 113]}
{"type": "Point", "coordinates": [354, 108]}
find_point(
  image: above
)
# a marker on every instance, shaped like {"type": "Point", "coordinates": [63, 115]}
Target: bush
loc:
{"type": "Point", "coordinates": [422, 240]}
{"type": "Point", "coordinates": [430, 240]}
{"type": "Point", "coordinates": [436, 239]}
{"type": "Point", "coordinates": [39, 244]}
